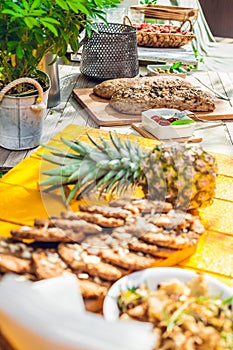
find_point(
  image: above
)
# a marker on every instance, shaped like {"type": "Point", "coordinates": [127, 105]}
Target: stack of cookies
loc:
{"type": "Point", "coordinates": [99, 244]}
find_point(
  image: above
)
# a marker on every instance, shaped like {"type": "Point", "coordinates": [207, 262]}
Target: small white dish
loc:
{"type": "Point", "coordinates": [153, 67]}
{"type": "Point", "coordinates": [170, 131]}
{"type": "Point", "coordinates": [152, 277]}
{"type": "Point", "coordinates": [162, 68]}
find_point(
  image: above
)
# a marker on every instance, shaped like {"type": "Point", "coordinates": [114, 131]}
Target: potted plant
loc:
{"type": "Point", "coordinates": [29, 29]}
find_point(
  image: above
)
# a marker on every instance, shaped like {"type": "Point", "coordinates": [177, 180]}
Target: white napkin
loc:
{"type": "Point", "coordinates": [50, 315]}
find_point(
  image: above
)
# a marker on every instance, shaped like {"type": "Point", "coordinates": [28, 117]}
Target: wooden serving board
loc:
{"type": "Point", "coordinates": [104, 115]}
{"type": "Point", "coordinates": [140, 129]}
{"type": "Point", "coordinates": [100, 110]}
{"type": "Point", "coordinates": [223, 110]}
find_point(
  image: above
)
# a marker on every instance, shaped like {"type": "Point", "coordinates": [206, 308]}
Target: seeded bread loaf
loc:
{"type": "Point", "coordinates": [137, 100]}
{"type": "Point", "coordinates": [107, 88]}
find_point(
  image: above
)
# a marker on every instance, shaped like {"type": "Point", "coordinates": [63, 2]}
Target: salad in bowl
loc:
{"type": "Point", "coordinates": [188, 310]}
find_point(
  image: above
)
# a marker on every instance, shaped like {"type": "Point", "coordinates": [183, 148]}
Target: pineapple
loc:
{"type": "Point", "coordinates": [182, 175]}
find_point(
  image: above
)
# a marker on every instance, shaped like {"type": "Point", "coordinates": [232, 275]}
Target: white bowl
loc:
{"type": "Point", "coordinates": [170, 131]}
{"type": "Point", "coordinates": [152, 277]}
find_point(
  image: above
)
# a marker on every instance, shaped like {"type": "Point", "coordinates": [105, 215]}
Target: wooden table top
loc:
{"type": "Point", "coordinates": [214, 251]}
{"type": "Point", "coordinates": [70, 112]}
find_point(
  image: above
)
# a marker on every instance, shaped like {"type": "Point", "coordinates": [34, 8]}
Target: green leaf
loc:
{"type": "Point", "coordinates": [10, 12]}
{"type": "Point", "coordinates": [148, 2]}
{"type": "Point", "coordinates": [37, 13]}
{"type": "Point", "coordinates": [51, 20]}
{"type": "Point", "coordinates": [94, 155]}
{"type": "Point", "coordinates": [30, 22]}
{"type": "Point", "coordinates": [63, 4]}
{"type": "Point", "coordinates": [83, 9]}
{"type": "Point", "coordinates": [99, 146]}
{"type": "Point", "coordinates": [115, 164]}
{"type": "Point", "coordinates": [90, 176]}
{"type": "Point", "coordinates": [19, 51]}
{"type": "Point", "coordinates": [112, 152]}
{"type": "Point", "coordinates": [76, 7]}
{"type": "Point", "coordinates": [114, 142]}
{"type": "Point", "coordinates": [16, 6]}
{"type": "Point", "coordinates": [102, 18]}
{"type": "Point", "coordinates": [52, 180]}
{"type": "Point", "coordinates": [56, 159]}
{"type": "Point", "coordinates": [66, 170]}
{"type": "Point", "coordinates": [176, 65]}
{"type": "Point", "coordinates": [123, 186]}
{"type": "Point", "coordinates": [74, 44]}
{"type": "Point", "coordinates": [86, 167]}
{"type": "Point", "coordinates": [12, 45]}
{"type": "Point", "coordinates": [49, 26]}
{"type": "Point", "coordinates": [35, 4]}
{"type": "Point", "coordinates": [25, 4]}
{"type": "Point", "coordinates": [228, 301]}
{"type": "Point", "coordinates": [39, 38]}
{"type": "Point", "coordinates": [79, 147]}
{"type": "Point", "coordinates": [92, 27]}
{"type": "Point", "coordinates": [72, 193]}
{"type": "Point", "coordinates": [183, 122]}
{"type": "Point", "coordinates": [89, 32]}
{"type": "Point", "coordinates": [64, 36]}
{"type": "Point", "coordinates": [107, 177]}
{"type": "Point", "coordinates": [98, 3]}
{"type": "Point", "coordinates": [111, 186]}
{"type": "Point", "coordinates": [102, 164]}
{"type": "Point", "coordinates": [65, 59]}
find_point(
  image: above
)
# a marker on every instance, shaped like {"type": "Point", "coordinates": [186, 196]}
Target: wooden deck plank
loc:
{"type": "Point", "coordinates": [15, 157]}
{"type": "Point", "coordinates": [218, 216]}
{"type": "Point", "coordinates": [229, 126]}
{"type": "Point", "coordinates": [216, 82]}
{"type": "Point", "coordinates": [4, 154]}
{"type": "Point", "coordinates": [227, 82]}
{"type": "Point", "coordinates": [224, 188]}
{"type": "Point", "coordinates": [225, 164]}
{"type": "Point", "coordinates": [70, 111]}
{"type": "Point", "coordinates": [209, 254]}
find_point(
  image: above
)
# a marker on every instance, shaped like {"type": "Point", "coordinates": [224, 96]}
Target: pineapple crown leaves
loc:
{"type": "Point", "coordinates": [183, 175]}
{"type": "Point", "coordinates": [107, 166]}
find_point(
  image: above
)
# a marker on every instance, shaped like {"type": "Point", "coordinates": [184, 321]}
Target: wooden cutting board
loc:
{"type": "Point", "coordinates": [104, 115]}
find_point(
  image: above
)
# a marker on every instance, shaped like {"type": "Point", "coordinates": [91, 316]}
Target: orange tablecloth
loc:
{"type": "Point", "coordinates": [21, 201]}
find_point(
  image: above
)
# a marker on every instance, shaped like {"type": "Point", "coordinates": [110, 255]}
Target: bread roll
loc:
{"type": "Point", "coordinates": [107, 88]}
{"type": "Point", "coordinates": [137, 100]}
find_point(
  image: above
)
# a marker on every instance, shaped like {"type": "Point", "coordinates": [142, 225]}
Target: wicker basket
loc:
{"type": "Point", "coordinates": [177, 39]}
{"type": "Point", "coordinates": [111, 52]}
{"type": "Point", "coordinates": [173, 13]}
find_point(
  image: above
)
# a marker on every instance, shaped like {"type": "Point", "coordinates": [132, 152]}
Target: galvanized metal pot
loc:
{"type": "Point", "coordinates": [21, 117]}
